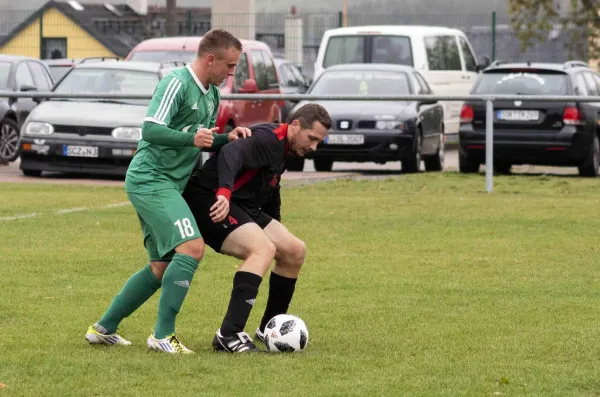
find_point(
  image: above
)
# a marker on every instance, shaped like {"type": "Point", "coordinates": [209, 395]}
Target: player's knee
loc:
{"type": "Point", "coordinates": [266, 250]}
{"type": "Point", "coordinates": [193, 248]}
{"type": "Point", "coordinates": [296, 253]}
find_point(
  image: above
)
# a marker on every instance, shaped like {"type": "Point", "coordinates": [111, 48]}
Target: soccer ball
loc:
{"type": "Point", "coordinates": [286, 333]}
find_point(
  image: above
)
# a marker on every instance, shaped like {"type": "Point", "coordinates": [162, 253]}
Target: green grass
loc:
{"type": "Point", "coordinates": [423, 285]}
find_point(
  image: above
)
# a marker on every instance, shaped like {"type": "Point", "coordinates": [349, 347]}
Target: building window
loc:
{"type": "Point", "coordinates": [54, 47]}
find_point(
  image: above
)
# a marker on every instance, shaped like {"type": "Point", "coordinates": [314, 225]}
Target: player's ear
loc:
{"type": "Point", "coordinates": [210, 59]}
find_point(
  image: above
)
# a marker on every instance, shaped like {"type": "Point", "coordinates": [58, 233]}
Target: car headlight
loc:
{"type": "Point", "coordinates": [389, 125]}
{"type": "Point", "coordinates": [38, 128]}
{"type": "Point", "coordinates": [127, 133]}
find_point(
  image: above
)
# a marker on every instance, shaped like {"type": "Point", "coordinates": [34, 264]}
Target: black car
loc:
{"type": "Point", "coordinates": [538, 132]}
{"type": "Point", "coordinates": [291, 81]}
{"type": "Point", "coordinates": [378, 131]}
{"type": "Point", "coordinates": [18, 73]}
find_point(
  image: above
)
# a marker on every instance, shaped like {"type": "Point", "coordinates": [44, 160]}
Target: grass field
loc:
{"type": "Point", "coordinates": [422, 285]}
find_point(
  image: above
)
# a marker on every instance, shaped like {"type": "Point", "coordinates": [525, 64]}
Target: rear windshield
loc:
{"type": "Point", "coordinates": [163, 56]}
{"type": "Point", "coordinates": [381, 49]}
{"type": "Point", "coordinates": [523, 83]}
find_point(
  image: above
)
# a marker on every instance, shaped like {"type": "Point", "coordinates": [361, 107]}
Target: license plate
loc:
{"type": "Point", "coordinates": [80, 151]}
{"type": "Point", "coordinates": [518, 115]}
{"type": "Point", "coordinates": [345, 139]}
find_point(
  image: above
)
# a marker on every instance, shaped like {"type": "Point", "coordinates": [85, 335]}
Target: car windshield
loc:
{"type": "Point", "coordinates": [4, 74]}
{"type": "Point", "coordinates": [361, 83]}
{"type": "Point", "coordinates": [523, 83]}
{"type": "Point", "coordinates": [384, 49]}
{"type": "Point", "coordinates": [57, 71]}
{"type": "Point", "coordinates": [109, 81]}
{"type": "Point", "coordinates": [163, 56]}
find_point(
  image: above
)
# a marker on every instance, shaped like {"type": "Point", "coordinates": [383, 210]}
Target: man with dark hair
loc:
{"type": "Point", "coordinates": [236, 202]}
{"type": "Point", "coordinates": [179, 123]}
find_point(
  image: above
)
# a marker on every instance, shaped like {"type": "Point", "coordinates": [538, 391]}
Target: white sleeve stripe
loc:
{"type": "Point", "coordinates": [163, 114]}
{"type": "Point", "coordinates": [155, 121]}
{"type": "Point", "coordinates": [163, 100]}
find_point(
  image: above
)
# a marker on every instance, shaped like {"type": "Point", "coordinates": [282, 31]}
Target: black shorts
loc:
{"type": "Point", "coordinates": [214, 234]}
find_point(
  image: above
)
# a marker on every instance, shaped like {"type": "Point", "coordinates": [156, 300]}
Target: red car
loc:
{"type": "Point", "coordinates": [255, 74]}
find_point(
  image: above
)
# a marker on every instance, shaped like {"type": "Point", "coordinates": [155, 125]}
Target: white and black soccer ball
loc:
{"type": "Point", "coordinates": [286, 333]}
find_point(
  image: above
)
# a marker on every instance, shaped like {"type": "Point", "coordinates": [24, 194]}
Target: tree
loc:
{"type": "Point", "coordinates": [534, 20]}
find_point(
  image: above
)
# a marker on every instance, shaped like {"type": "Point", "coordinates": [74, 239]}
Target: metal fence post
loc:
{"type": "Point", "coordinates": [493, 36]}
{"type": "Point", "coordinates": [489, 144]}
{"type": "Point", "coordinates": [42, 35]}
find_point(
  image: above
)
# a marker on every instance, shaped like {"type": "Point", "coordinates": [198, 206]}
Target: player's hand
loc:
{"type": "Point", "coordinates": [220, 209]}
{"type": "Point", "coordinates": [239, 132]}
{"type": "Point", "coordinates": [204, 137]}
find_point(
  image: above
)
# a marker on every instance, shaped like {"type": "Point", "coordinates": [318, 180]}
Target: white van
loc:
{"type": "Point", "coordinates": [444, 57]}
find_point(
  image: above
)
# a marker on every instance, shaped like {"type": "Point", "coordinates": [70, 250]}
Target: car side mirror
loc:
{"type": "Point", "coordinates": [249, 87]}
{"type": "Point", "coordinates": [484, 63]}
{"type": "Point", "coordinates": [26, 87]}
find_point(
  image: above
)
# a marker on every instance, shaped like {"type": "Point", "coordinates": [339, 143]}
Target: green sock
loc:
{"type": "Point", "coordinates": [137, 290]}
{"type": "Point", "coordinates": [175, 285]}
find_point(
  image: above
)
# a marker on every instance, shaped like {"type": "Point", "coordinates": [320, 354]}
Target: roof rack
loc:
{"type": "Point", "coordinates": [98, 58]}
{"type": "Point", "coordinates": [174, 63]}
{"type": "Point", "coordinates": [573, 64]}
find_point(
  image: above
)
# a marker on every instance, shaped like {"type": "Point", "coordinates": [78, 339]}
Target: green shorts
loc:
{"type": "Point", "coordinates": [166, 222]}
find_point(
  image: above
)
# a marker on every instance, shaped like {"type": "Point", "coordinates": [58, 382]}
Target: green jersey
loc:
{"type": "Point", "coordinates": [166, 155]}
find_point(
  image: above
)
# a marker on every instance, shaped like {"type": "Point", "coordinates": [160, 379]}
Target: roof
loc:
{"type": "Point", "coordinates": [381, 67]}
{"type": "Point", "coordinates": [14, 58]}
{"type": "Point", "coordinates": [91, 19]}
{"type": "Point", "coordinates": [187, 42]}
{"type": "Point", "coordinates": [393, 29]}
{"type": "Point", "coordinates": [123, 65]}
{"type": "Point", "coordinates": [537, 65]}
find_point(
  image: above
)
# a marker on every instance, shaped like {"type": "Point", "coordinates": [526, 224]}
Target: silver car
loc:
{"type": "Point", "coordinates": [91, 136]}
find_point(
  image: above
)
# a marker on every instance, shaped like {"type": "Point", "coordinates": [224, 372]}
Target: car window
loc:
{"type": "Point", "coordinates": [592, 87]}
{"type": "Point", "coordinates": [260, 70]}
{"type": "Point", "coordinates": [596, 78]}
{"type": "Point", "coordinates": [470, 62]}
{"type": "Point", "coordinates": [58, 71]}
{"type": "Point", "coordinates": [425, 90]}
{"type": "Point", "coordinates": [164, 55]}
{"type": "Point", "coordinates": [442, 53]}
{"type": "Point", "coordinates": [289, 76]}
{"type": "Point", "coordinates": [4, 74]}
{"type": "Point", "coordinates": [344, 49]}
{"type": "Point", "coordinates": [270, 70]}
{"type": "Point", "coordinates": [39, 76]}
{"type": "Point", "coordinates": [23, 76]}
{"type": "Point", "coordinates": [392, 49]}
{"type": "Point", "coordinates": [361, 83]}
{"type": "Point", "coordinates": [580, 86]}
{"type": "Point", "coordinates": [523, 83]}
{"type": "Point", "coordinates": [299, 77]}
{"type": "Point", "coordinates": [105, 81]}
{"type": "Point", "coordinates": [241, 71]}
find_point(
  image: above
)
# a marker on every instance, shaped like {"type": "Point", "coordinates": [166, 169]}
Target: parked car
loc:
{"type": "Point", "coordinates": [443, 56]}
{"type": "Point", "coordinates": [291, 81]}
{"type": "Point", "coordinates": [93, 136]}
{"type": "Point", "coordinates": [18, 73]}
{"type": "Point", "coordinates": [538, 132]}
{"type": "Point", "coordinates": [254, 74]}
{"type": "Point", "coordinates": [378, 131]}
{"type": "Point", "coordinates": [59, 67]}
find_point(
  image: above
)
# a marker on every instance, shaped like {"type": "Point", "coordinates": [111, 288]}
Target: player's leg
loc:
{"type": "Point", "coordinates": [289, 258]}
{"type": "Point", "coordinates": [175, 230]}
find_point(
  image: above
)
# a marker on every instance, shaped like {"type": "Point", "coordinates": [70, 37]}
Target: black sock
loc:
{"type": "Point", "coordinates": [245, 289]}
{"type": "Point", "coordinates": [281, 290]}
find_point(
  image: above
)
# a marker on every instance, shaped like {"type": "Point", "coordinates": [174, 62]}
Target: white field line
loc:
{"type": "Point", "coordinates": [65, 211]}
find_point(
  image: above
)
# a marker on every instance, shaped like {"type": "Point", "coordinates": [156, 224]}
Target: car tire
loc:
{"type": "Point", "coordinates": [323, 165]}
{"type": "Point", "coordinates": [413, 163]}
{"type": "Point", "coordinates": [436, 162]}
{"type": "Point", "coordinates": [591, 165]}
{"type": "Point", "coordinates": [466, 164]}
{"type": "Point", "coordinates": [9, 140]}
{"type": "Point", "coordinates": [295, 164]}
{"type": "Point", "coordinates": [34, 173]}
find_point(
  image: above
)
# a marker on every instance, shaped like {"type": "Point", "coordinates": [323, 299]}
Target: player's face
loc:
{"type": "Point", "coordinates": [223, 65]}
{"type": "Point", "coordinates": [305, 140]}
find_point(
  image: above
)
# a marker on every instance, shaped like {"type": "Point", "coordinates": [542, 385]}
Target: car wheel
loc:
{"type": "Point", "coordinates": [436, 162]}
{"type": "Point", "coordinates": [466, 164]}
{"type": "Point", "coordinates": [35, 173]}
{"type": "Point", "coordinates": [323, 165]}
{"type": "Point", "coordinates": [592, 163]}
{"type": "Point", "coordinates": [295, 164]}
{"type": "Point", "coordinates": [413, 163]}
{"type": "Point", "coordinates": [9, 140]}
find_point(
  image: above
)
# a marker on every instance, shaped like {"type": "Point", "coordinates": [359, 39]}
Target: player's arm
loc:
{"type": "Point", "coordinates": [166, 101]}
{"type": "Point", "coordinates": [250, 153]}
{"type": "Point", "coordinates": [273, 206]}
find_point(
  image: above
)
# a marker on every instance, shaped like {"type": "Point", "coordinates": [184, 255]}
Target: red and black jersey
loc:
{"type": "Point", "coordinates": [247, 171]}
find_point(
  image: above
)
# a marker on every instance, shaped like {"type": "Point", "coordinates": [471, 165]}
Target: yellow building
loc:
{"type": "Point", "coordinates": [67, 29]}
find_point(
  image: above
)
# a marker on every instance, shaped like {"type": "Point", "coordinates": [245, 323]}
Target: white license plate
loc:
{"type": "Point", "coordinates": [80, 151]}
{"type": "Point", "coordinates": [518, 115]}
{"type": "Point", "coordinates": [345, 139]}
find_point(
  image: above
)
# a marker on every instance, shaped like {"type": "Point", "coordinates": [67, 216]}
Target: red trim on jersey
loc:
{"type": "Point", "coordinates": [223, 191]}
{"type": "Point", "coordinates": [281, 131]}
{"type": "Point", "coordinates": [245, 178]}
